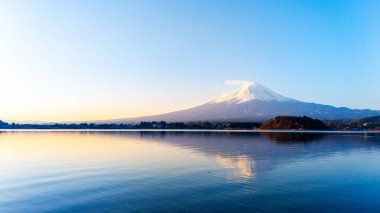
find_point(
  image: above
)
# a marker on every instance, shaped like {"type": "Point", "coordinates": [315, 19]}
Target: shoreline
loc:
{"type": "Point", "coordinates": [192, 130]}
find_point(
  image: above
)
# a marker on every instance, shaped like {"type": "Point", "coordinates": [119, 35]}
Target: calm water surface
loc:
{"type": "Point", "coordinates": [189, 172]}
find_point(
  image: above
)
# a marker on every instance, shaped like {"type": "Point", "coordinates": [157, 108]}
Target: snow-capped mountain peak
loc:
{"type": "Point", "coordinates": [250, 91]}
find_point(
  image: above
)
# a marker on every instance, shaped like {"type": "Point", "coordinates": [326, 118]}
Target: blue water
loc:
{"type": "Point", "coordinates": [99, 171]}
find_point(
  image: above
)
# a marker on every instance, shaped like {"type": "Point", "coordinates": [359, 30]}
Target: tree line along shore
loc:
{"type": "Point", "coordinates": [277, 123]}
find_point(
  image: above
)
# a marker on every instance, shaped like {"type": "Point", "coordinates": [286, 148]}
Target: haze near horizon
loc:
{"type": "Point", "coordinates": [93, 60]}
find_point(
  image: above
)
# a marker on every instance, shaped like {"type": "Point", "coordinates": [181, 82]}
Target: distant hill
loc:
{"type": "Point", "coordinates": [3, 124]}
{"type": "Point", "coordinates": [370, 120]}
{"type": "Point", "coordinates": [254, 103]}
{"type": "Point", "coordinates": [294, 123]}
{"type": "Point", "coordinates": [370, 123]}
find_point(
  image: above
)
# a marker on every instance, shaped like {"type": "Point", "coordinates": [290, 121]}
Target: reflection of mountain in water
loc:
{"type": "Point", "coordinates": [260, 154]}
{"type": "Point", "coordinates": [243, 164]}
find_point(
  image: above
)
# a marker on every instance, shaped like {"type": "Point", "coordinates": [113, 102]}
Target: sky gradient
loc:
{"type": "Point", "coordinates": [69, 60]}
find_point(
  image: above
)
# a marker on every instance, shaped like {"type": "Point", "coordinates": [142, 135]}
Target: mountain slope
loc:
{"type": "Point", "coordinates": [254, 102]}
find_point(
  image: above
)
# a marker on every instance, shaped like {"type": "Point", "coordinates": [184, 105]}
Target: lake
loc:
{"type": "Point", "coordinates": [188, 171]}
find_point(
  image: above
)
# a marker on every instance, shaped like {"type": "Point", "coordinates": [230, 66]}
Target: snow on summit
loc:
{"type": "Point", "coordinates": [249, 91]}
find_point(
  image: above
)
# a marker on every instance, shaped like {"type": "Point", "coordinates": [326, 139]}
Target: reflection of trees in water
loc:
{"type": "Point", "coordinates": [199, 134]}
{"type": "Point", "coordinates": [179, 137]}
{"type": "Point", "coordinates": [293, 137]}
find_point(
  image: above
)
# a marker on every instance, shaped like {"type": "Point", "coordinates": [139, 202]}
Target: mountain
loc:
{"type": "Point", "coordinates": [254, 102]}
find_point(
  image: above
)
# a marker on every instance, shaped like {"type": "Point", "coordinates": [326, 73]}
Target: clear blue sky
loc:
{"type": "Point", "coordinates": [84, 60]}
